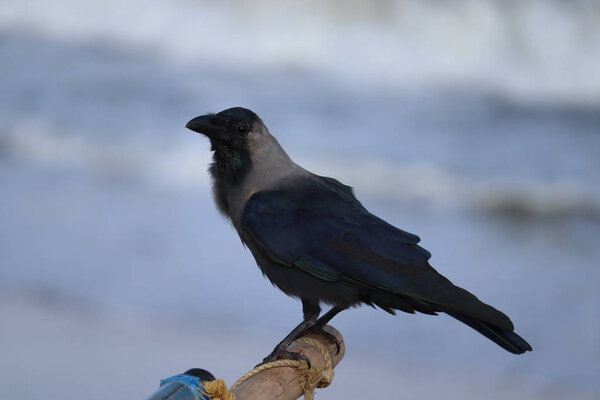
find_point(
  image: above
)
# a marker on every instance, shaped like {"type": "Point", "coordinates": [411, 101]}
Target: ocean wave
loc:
{"type": "Point", "coordinates": [183, 167]}
{"type": "Point", "coordinates": [498, 194]}
{"type": "Point", "coordinates": [505, 46]}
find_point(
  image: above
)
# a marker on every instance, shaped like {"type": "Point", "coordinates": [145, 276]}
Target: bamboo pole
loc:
{"type": "Point", "coordinates": [282, 383]}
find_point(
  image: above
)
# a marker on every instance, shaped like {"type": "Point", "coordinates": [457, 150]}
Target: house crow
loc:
{"type": "Point", "coordinates": [315, 241]}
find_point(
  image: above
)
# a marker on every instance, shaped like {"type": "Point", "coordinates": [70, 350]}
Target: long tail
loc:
{"type": "Point", "coordinates": [508, 340]}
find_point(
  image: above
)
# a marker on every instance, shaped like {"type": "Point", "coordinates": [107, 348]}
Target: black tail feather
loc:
{"type": "Point", "coordinates": [508, 340]}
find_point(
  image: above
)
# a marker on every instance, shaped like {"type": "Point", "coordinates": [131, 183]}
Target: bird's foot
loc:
{"type": "Point", "coordinates": [283, 354]}
{"type": "Point", "coordinates": [330, 337]}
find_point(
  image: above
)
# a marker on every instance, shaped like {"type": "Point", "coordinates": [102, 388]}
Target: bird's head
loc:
{"type": "Point", "coordinates": [232, 127]}
{"type": "Point", "coordinates": [234, 134]}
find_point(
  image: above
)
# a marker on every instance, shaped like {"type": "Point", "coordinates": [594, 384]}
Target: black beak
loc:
{"type": "Point", "coordinates": [205, 124]}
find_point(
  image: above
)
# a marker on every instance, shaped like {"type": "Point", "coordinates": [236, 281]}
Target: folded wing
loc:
{"type": "Point", "coordinates": [322, 229]}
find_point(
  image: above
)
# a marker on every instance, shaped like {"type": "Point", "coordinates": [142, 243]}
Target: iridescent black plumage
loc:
{"type": "Point", "coordinates": [315, 241]}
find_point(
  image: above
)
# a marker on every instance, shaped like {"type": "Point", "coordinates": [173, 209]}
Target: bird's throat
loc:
{"type": "Point", "coordinates": [229, 164]}
{"type": "Point", "coordinates": [228, 169]}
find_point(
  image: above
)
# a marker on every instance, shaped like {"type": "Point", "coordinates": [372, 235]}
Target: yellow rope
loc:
{"type": "Point", "coordinates": [310, 378]}
{"type": "Point", "coordinates": [217, 390]}
{"type": "Point", "coordinates": [325, 375]}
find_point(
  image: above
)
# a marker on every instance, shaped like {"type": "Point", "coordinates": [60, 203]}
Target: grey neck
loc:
{"type": "Point", "coordinates": [268, 165]}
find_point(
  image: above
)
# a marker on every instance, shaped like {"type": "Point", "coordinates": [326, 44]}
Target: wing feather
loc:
{"type": "Point", "coordinates": [320, 228]}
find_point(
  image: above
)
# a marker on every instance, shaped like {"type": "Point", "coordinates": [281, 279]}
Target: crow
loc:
{"type": "Point", "coordinates": [316, 242]}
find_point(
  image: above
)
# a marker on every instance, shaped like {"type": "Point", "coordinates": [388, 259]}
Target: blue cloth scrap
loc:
{"type": "Point", "coordinates": [186, 387]}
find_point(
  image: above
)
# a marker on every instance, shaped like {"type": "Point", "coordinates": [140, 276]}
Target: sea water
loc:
{"type": "Point", "coordinates": [473, 126]}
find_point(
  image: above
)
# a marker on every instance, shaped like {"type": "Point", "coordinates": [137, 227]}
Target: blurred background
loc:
{"type": "Point", "coordinates": [116, 269]}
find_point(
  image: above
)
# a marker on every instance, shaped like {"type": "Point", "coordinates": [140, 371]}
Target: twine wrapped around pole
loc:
{"type": "Point", "coordinates": [285, 379]}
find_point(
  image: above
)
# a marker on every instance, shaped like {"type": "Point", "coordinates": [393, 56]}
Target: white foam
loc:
{"type": "Point", "coordinates": [503, 46]}
{"type": "Point", "coordinates": [183, 167]}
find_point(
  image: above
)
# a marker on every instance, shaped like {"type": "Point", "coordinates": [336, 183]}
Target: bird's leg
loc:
{"type": "Point", "coordinates": [311, 313]}
{"type": "Point", "coordinates": [321, 322]}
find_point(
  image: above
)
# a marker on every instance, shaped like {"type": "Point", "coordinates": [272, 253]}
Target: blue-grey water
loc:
{"type": "Point", "coordinates": [488, 149]}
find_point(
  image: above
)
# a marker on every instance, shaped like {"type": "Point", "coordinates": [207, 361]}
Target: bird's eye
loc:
{"type": "Point", "coordinates": [243, 129]}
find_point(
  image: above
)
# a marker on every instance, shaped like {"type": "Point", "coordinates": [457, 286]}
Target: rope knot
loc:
{"type": "Point", "coordinates": [315, 377]}
{"type": "Point", "coordinates": [217, 390]}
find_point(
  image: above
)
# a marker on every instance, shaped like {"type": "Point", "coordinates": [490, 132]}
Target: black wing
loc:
{"type": "Point", "coordinates": [320, 228]}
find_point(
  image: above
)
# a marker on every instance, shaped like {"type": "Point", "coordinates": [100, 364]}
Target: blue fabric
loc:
{"type": "Point", "coordinates": [191, 382]}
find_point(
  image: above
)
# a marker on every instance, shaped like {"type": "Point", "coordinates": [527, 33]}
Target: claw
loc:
{"type": "Point", "coordinates": [330, 337]}
{"type": "Point", "coordinates": [278, 354]}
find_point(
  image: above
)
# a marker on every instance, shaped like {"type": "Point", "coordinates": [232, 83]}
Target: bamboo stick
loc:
{"type": "Point", "coordinates": [282, 383]}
